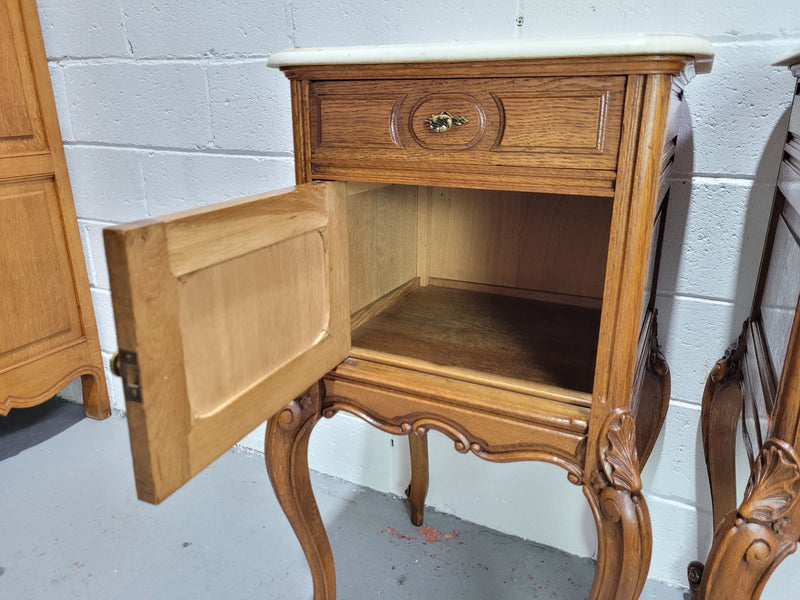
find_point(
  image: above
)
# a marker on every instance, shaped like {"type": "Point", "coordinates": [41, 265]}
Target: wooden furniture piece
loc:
{"type": "Point", "coordinates": [491, 275]}
{"type": "Point", "coordinates": [758, 381]}
{"type": "Point", "coordinates": [48, 334]}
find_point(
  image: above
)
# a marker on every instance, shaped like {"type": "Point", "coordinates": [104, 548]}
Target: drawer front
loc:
{"type": "Point", "coordinates": [551, 122]}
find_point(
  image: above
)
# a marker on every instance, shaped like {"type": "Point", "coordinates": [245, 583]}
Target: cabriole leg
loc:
{"type": "Point", "coordinates": [721, 408]}
{"type": "Point", "coordinates": [418, 488]}
{"type": "Point", "coordinates": [752, 541]}
{"type": "Point", "coordinates": [286, 449]}
{"type": "Point", "coordinates": [620, 512]}
{"type": "Point", "coordinates": [95, 397]}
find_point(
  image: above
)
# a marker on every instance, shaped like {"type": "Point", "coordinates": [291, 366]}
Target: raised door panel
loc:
{"type": "Point", "coordinates": [224, 314]}
{"type": "Point", "coordinates": [38, 306]}
{"type": "Point", "coordinates": [21, 130]}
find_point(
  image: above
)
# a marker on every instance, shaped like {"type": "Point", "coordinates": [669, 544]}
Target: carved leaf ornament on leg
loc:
{"type": "Point", "coordinates": [618, 455]}
{"type": "Point", "coordinates": [773, 486]}
{"type": "Point", "coordinates": [620, 511]}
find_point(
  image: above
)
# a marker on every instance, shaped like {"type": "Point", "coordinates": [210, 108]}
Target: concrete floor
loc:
{"type": "Point", "coordinates": [71, 527]}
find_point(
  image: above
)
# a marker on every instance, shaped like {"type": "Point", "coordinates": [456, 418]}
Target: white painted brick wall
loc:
{"type": "Point", "coordinates": [731, 119]}
{"type": "Point", "coordinates": [179, 181]}
{"type": "Point", "coordinates": [186, 28]}
{"type": "Point", "coordinates": [358, 22]}
{"type": "Point", "coordinates": [92, 238]}
{"type": "Point", "coordinates": [107, 183]}
{"type": "Point", "coordinates": [83, 29]}
{"type": "Point", "coordinates": [711, 216]}
{"type": "Point", "coordinates": [167, 104]}
{"type": "Point", "coordinates": [161, 104]}
{"type": "Point", "coordinates": [253, 94]}
{"type": "Point", "coordinates": [672, 471]}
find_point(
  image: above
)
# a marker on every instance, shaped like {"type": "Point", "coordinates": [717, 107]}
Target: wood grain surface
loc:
{"type": "Point", "coordinates": [510, 337]}
{"type": "Point", "coordinates": [48, 335]}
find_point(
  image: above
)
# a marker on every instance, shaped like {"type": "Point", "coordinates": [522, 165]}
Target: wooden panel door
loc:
{"type": "Point", "coordinates": [224, 314]}
{"type": "Point", "coordinates": [47, 331]}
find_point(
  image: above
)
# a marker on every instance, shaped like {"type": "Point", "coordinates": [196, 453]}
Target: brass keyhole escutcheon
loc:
{"type": "Point", "coordinates": [444, 121]}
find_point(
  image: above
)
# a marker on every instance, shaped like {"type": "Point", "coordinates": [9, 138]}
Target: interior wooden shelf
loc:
{"type": "Point", "coordinates": [507, 337]}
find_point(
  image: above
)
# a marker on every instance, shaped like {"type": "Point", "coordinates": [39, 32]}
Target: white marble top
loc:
{"type": "Point", "coordinates": [562, 47]}
{"type": "Point", "coordinates": [793, 62]}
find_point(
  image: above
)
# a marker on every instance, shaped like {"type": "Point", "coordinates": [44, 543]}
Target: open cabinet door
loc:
{"type": "Point", "coordinates": [224, 314]}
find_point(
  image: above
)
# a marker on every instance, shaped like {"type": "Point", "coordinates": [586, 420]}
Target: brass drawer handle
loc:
{"type": "Point", "coordinates": [444, 121]}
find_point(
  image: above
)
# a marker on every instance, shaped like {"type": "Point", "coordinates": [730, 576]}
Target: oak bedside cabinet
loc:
{"type": "Point", "coordinates": [472, 247]}
{"type": "Point", "coordinates": [48, 335]}
{"type": "Point", "coordinates": [758, 382]}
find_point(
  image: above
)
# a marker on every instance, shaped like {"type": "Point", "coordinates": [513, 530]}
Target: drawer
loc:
{"type": "Point", "coordinates": [510, 123]}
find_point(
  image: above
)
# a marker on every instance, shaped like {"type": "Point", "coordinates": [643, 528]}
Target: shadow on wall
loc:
{"type": "Point", "coordinates": [677, 216]}
{"type": "Point", "coordinates": [754, 229]}
{"type": "Point", "coordinates": [723, 326]}
{"type": "Point", "coordinates": [756, 220]}
{"type": "Point", "coordinates": [754, 226]}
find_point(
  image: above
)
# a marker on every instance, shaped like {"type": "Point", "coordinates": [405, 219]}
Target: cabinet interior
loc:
{"type": "Point", "coordinates": [503, 288]}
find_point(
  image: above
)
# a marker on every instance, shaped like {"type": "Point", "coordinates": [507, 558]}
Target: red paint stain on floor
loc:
{"type": "Point", "coordinates": [391, 531]}
{"type": "Point", "coordinates": [433, 535]}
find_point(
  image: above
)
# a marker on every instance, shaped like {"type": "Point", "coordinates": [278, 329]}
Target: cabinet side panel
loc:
{"type": "Point", "coordinates": [382, 232]}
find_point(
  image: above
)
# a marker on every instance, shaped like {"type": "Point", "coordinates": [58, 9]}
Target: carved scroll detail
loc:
{"type": "Point", "coordinates": [618, 454]}
{"type": "Point", "coordinates": [774, 485]}
{"type": "Point", "coordinates": [729, 368]}
{"type": "Point", "coordinates": [695, 574]}
{"type": "Point", "coordinates": [293, 414]}
{"type": "Point", "coordinates": [576, 477]}
{"type": "Point", "coordinates": [463, 440]}
{"type": "Point", "coordinates": [759, 551]}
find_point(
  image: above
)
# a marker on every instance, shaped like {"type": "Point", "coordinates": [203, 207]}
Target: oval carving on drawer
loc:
{"type": "Point", "coordinates": [458, 137]}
